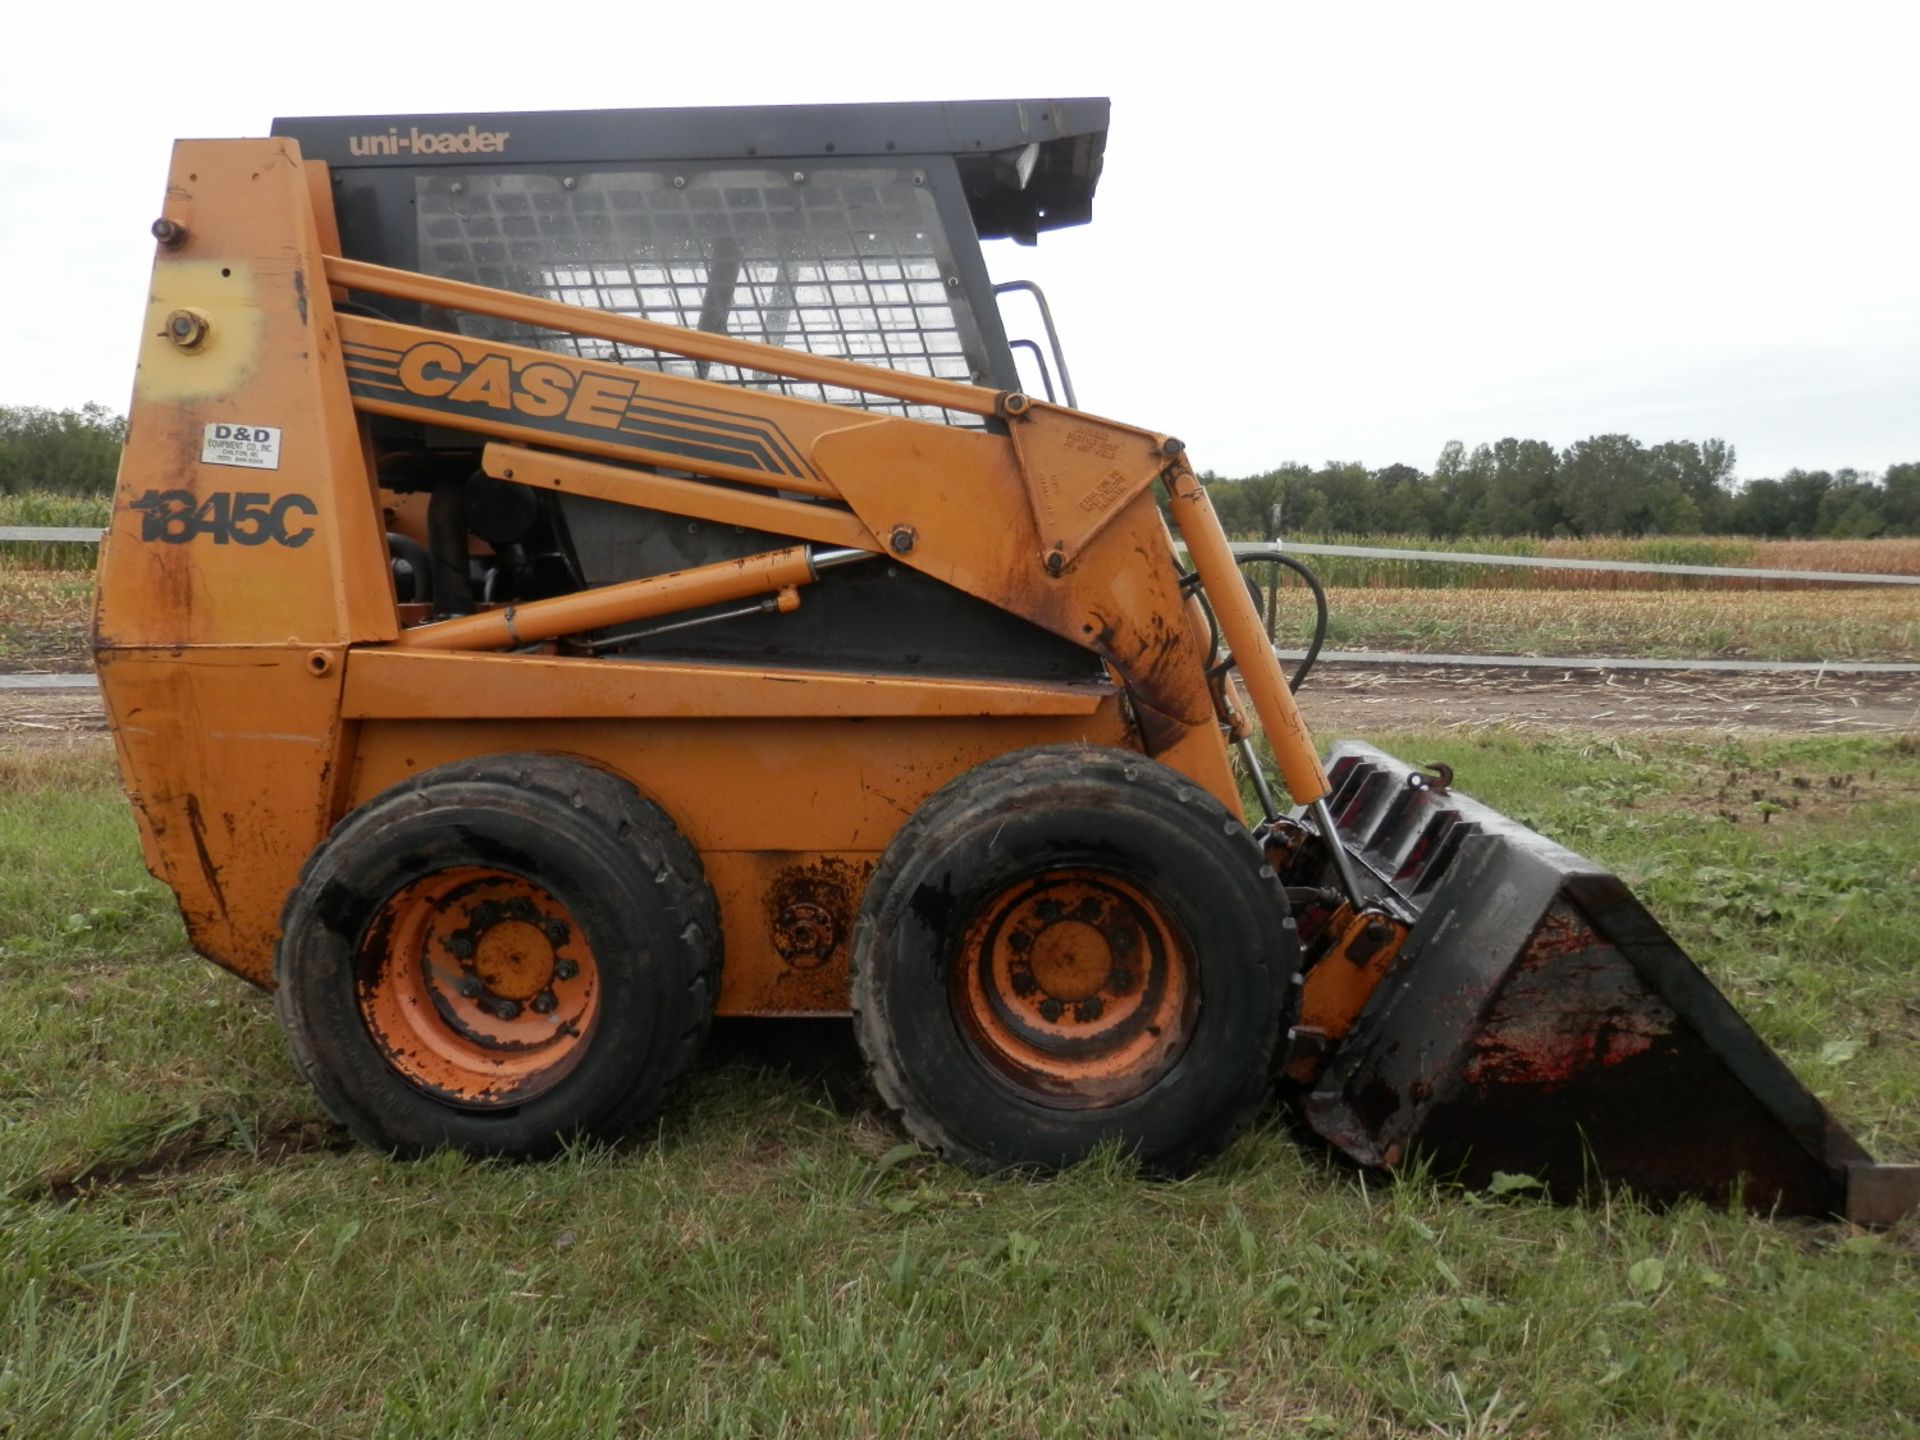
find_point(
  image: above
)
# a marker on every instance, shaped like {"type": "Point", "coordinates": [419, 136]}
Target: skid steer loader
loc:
{"type": "Point", "coordinates": [573, 575]}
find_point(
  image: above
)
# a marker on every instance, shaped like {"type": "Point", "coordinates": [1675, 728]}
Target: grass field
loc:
{"type": "Point", "coordinates": [187, 1248]}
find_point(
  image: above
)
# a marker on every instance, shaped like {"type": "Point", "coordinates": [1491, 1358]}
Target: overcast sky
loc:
{"type": "Point", "coordinates": [1348, 232]}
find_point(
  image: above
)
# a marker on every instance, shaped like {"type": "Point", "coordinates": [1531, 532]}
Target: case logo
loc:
{"type": "Point", "coordinates": [436, 371]}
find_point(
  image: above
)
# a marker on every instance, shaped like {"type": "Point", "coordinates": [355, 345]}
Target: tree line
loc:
{"type": "Point", "coordinates": [1604, 485]}
{"type": "Point", "coordinates": [66, 452]}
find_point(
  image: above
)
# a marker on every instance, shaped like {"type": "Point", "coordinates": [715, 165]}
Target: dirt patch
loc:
{"type": "Point", "coordinates": [44, 620]}
{"type": "Point", "coordinates": [817, 1056]}
{"type": "Point", "coordinates": [191, 1153]}
{"type": "Point", "coordinates": [60, 718]}
{"type": "Point", "coordinates": [1356, 700]}
{"type": "Point", "coordinates": [1344, 699]}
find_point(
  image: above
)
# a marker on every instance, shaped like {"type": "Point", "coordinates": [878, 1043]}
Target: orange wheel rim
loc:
{"type": "Point", "coordinates": [1074, 985]}
{"type": "Point", "coordinates": [477, 986]}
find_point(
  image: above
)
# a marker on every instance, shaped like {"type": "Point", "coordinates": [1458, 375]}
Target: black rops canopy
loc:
{"type": "Point", "coordinates": [1025, 165]}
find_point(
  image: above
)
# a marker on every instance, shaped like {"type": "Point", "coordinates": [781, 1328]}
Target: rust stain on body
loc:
{"type": "Point", "coordinates": [208, 869]}
{"type": "Point", "coordinates": [1570, 1007]}
{"type": "Point", "coordinates": [810, 909]}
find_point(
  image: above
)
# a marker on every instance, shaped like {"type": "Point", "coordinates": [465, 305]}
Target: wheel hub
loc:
{"type": "Point", "coordinates": [1070, 961]}
{"type": "Point", "coordinates": [1074, 985]}
{"type": "Point", "coordinates": [514, 959]}
{"type": "Point", "coordinates": [477, 987]}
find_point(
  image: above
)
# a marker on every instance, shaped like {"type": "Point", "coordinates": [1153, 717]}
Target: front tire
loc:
{"type": "Point", "coordinates": [1068, 947]}
{"type": "Point", "coordinates": [497, 955]}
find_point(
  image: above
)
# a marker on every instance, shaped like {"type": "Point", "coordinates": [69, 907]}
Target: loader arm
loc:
{"type": "Point", "coordinates": [1050, 520]}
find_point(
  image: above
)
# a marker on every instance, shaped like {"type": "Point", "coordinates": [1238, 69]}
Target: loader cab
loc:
{"type": "Point", "coordinates": [846, 230]}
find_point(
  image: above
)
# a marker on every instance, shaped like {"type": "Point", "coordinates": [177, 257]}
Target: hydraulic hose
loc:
{"type": "Point", "coordinates": [1277, 557]}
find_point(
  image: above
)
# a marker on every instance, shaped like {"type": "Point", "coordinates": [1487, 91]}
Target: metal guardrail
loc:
{"type": "Point", "coordinates": [57, 534]}
{"type": "Point", "coordinates": [49, 682]}
{"type": "Point", "coordinates": [1607, 662]}
{"type": "Point", "coordinates": [89, 535]}
{"type": "Point", "coordinates": [1383, 658]}
{"type": "Point", "coordinates": [1556, 562]}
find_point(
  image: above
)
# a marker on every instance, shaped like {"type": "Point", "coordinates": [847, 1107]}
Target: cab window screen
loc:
{"type": "Point", "coordinates": [850, 263]}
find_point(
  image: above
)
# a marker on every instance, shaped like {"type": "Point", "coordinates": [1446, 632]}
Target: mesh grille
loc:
{"type": "Point", "coordinates": [846, 263]}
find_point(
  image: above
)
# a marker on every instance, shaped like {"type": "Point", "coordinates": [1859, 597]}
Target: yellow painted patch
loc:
{"type": "Point", "coordinates": [228, 296]}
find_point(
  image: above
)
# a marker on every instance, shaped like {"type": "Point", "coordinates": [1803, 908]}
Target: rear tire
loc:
{"type": "Point", "coordinates": [496, 955]}
{"type": "Point", "coordinates": [1068, 947]}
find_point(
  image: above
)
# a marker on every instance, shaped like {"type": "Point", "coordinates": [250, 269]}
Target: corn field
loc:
{"type": "Point", "coordinates": [1829, 623]}
{"type": "Point", "coordinates": [1890, 557]}
{"type": "Point", "coordinates": [38, 507]}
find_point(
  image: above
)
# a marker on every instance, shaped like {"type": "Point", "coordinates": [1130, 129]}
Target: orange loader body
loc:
{"type": "Point", "coordinates": [502, 865]}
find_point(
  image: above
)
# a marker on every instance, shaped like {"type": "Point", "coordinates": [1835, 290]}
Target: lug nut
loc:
{"type": "Point", "coordinates": [1088, 1009]}
{"type": "Point", "coordinates": [556, 932]}
{"type": "Point", "coordinates": [460, 947]}
{"type": "Point", "coordinates": [565, 969]}
{"type": "Point", "coordinates": [506, 1009]}
{"type": "Point", "coordinates": [1051, 1009]}
{"type": "Point", "coordinates": [469, 989]}
{"type": "Point", "coordinates": [544, 1003]}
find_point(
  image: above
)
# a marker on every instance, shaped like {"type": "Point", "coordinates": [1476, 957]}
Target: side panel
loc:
{"type": "Point", "coordinates": [243, 512]}
{"type": "Point", "coordinates": [788, 815]}
{"type": "Point", "coordinates": [244, 551]}
{"type": "Point", "coordinates": [229, 759]}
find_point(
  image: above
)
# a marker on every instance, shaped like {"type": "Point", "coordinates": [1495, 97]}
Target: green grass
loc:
{"type": "Point", "coordinates": [776, 1262]}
